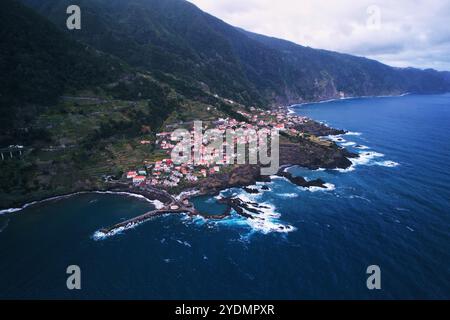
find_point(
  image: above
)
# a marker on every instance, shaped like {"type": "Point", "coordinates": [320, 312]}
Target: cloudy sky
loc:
{"type": "Point", "coordinates": [397, 32]}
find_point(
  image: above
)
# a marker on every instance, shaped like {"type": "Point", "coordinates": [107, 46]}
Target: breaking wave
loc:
{"type": "Point", "coordinates": [389, 164]}
{"type": "Point", "coordinates": [267, 221]}
{"type": "Point", "coordinates": [364, 158]}
{"type": "Point", "coordinates": [351, 133]}
{"type": "Point", "coordinates": [328, 187]}
{"type": "Point", "coordinates": [158, 204]}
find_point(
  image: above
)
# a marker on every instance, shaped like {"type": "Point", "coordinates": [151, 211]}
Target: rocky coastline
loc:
{"type": "Point", "coordinates": [304, 152]}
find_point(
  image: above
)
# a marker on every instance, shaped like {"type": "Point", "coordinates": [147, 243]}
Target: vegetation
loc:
{"type": "Point", "coordinates": [173, 37]}
{"type": "Point", "coordinates": [81, 101]}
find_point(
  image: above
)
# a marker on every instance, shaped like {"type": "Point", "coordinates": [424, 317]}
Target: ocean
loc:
{"type": "Point", "coordinates": [390, 209]}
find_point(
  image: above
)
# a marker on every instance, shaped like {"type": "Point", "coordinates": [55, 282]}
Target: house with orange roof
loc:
{"type": "Point", "coordinates": [138, 179]}
{"type": "Point", "coordinates": [131, 174]}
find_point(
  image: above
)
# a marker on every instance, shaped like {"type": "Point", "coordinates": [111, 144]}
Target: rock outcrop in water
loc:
{"type": "Point", "coordinates": [318, 129]}
{"type": "Point", "coordinates": [313, 155]}
{"type": "Point", "coordinates": [251, 190]}
{"type": "Point", "coordinates": [302, 182]}
{"type": "Point", "coordinates": [241, 206]}
{"type": "Point", "coordinates": [240, 176]}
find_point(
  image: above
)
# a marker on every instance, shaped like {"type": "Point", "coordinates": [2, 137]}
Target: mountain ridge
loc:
{"type": "Point", "coordinates": [175, 37]}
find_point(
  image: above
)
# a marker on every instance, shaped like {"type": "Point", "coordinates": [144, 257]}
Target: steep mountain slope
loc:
{"type": "Point", "coordinates": [175, 37]}
{"type": "Point", "coordinates": [71, 115]}
{"type": "Point", "coordinates": [355, 76]}
{"type": "Point", "coordinates": [38, 63]}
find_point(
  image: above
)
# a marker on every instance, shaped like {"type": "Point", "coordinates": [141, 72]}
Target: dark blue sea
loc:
{"type": "Point", "coordinates": [391, 209]}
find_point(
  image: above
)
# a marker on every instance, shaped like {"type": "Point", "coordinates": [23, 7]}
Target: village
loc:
{"type": "Point", "coordinates": [166, 174]}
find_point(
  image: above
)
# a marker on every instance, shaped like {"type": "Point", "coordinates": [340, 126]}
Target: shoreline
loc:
{"type": "Point", "coordinates": [244, 177]}
{"type": "Point", "coordinates": [152, 197]}
{"type": "Point", "coordinates": [136, 195]}
{"type": "Point", "coordinates": [290, 107]}
{"type": "Point", "coordinates": [126, 190]}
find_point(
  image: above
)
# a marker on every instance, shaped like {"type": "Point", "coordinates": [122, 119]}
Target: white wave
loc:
{"type": "Point", "coordinates": [10, 210]}
{"type": "Point", "coordinates": [99, 235]}
{"type": "Point", "coordinates": [335, 138]}
{"type": "Point", "coordinates": [349, 169]}
{"type": "Point", "coordinates": [321, 101]}
{"type": "Point", "coordinates": [156, 203]}
{"type": "Point", "coordinates": [346, 98]}
{"type": "Point", "coordinates": [359, 197]}
{"type": "Point", "coordinates": [287, 195]}
{"type": "Point", "coordinates": [198, 220]}
{"type": "Point", "coordinates": [276, 177]}
{"type": "Point", "coordinates": [328, 187]}
{"type": "Point", "coordinates": [351, 133]}
{"type": "Point", "coordinates": [265, 222]}
{"type": "Point", "coordinates": [361, 147]}
{"type": "Point", "coordinates": [349, 144]}
{"type": "Point", "coordinates": [291, 110]}
{"type": "Point", "coordinates": [364, 158]}
{"type": "Point", "coordinates": [389, 164]}
{"type": "Point", "coordinates": [185, 243]}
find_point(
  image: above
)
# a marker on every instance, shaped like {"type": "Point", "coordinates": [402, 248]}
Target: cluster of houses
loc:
{"type": "Point", "coordinates": [166, 173]}
{"type": "Point", "coordinates": [277, 118]}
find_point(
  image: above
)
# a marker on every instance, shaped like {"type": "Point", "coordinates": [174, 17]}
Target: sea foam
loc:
{"type": "Point", "coordinates": [266, 222]}
{"type": "Point", "coordinates": [328, 187]}
{"type": "Point", "coordinates": [389, 164]}
{"type": "Point", "coordinates": [158, 204]}
{"type": "Point", "coordinates": [351, 133]}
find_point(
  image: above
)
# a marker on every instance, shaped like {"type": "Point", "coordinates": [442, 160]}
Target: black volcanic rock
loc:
{"type": "Point", "coordinates": [302, 182]}
{"type": "Point", "coordinates": [239, 176]}
{"type": "Point", "coordinates": [251, 190]}
{"type": "Point", "coordinates": [175, 37]}
{"type": "Point", "coordinates": [241, 206]}
{"type": "Point", "coordinates": [318, 129]}
{"type": "Point", "coordinates": [313, 156]}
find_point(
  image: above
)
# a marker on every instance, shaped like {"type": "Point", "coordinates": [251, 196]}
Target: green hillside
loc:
{"type": "Point", "coordinates": [175, 37]}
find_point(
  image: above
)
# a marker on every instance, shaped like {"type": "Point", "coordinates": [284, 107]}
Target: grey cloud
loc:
{"type": "Point", "coordinates": [412, 33]}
